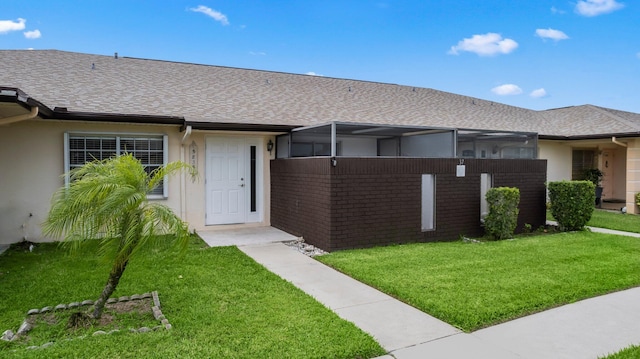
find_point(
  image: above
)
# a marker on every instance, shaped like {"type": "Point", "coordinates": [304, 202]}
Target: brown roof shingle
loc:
{"type": "Point", "coordinates": [214, 94]}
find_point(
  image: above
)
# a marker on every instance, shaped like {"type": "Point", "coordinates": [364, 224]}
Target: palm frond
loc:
{"type": "Point", "coordinates": [107, 201]}
{"type": "Point", "coordinates": [160, 173]}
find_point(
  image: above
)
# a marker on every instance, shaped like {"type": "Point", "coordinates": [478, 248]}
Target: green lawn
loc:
{"type": "Point", "coordinates": [611, 220]}
{"type": "Point", "coordinates": [220, 302]}
{"type": "Point", "coordinates": [615, 220]}
{"type": "Point", "coordinates": [474, 285]}
{"type": "Point", "coordinates": [632, 352]}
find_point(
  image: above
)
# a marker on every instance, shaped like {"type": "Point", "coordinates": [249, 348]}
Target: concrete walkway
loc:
{"type": "Point", "coordinates": [587, 329]}
{"type": "Point", "coordinates": [221, 236]}
{"type": "Point", "coordinates": [603, 230]}
{"type": "Point", "coordinates": [393, 324]}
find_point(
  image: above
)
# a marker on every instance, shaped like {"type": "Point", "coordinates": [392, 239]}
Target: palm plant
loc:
{"type": "Point", "coordinates": [107, 201]}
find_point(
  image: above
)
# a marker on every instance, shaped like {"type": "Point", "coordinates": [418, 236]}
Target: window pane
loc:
{"type": "Point", "coordinates": [582, 161]}
{"type": "Point", "coordinates": [109, 144]}
{"type": "Point", "coordinates": [155, 144]}
{"type": "Point", "coordinates": [142, 144]}
{"type": "Point", "coordinates": [158, 191]}
{"type": "Point", "coordinates": [428, 201]}
{"type": "Point", "coordinates": [94, 155]}
{"type": "Point", "coordinates": [156, 158]}
{"type": "Point", "coordinates": [76, 157]}
{"type": "Point", "coordinates": [127, 145]}
{"type": "Point", "coordinates": [142, 156]}
{"type": "Point", "coordinates": [149, 150]}
{"type": "Point", "coordinates": [76, 143]}
{"type": "Point", "coordinates": [93, 143]}
{"type": "Point", "coordinates": [486, 182]}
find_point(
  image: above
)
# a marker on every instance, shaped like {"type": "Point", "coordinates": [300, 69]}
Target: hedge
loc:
{"type": "Point", "coordinates": [502, 219]}
{"type": "Point", "coordinates": [572, 203]}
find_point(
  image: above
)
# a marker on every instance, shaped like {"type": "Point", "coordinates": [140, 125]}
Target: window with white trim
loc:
{"type": "Point", "coordinates": [81, 148]}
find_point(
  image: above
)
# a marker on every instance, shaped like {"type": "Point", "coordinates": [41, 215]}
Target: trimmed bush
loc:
{"type": "Point", "coordinates": [572, 203]}
{"type": "Point", "coordinates": [502, 219]}
{"type": "Point", "coordinates": [638, 199]}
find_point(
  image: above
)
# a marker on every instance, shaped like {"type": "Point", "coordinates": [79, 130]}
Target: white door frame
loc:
{"type": "Point", "coordinates": [249, 215]}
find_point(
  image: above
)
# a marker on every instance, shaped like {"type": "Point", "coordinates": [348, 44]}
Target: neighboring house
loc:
{"type": "Point", "coordinates": [378, 162]}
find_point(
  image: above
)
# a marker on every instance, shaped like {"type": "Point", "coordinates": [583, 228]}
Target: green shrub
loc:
{"type": "Point", "coordinates": [572, 203]}
{"type": "Point", "coordinates": [502, 219]}
{"type": "Point", "coordinates": [638, 199]}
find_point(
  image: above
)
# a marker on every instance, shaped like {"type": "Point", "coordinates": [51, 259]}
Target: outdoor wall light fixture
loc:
{"type": "Point", "coordinates": [270, 146]}
{"type": "Point", "coordinates": [334, 162]}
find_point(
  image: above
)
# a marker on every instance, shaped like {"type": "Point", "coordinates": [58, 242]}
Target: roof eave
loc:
{"type": "Point", "coordinates": [63, 114]}
{"type": "Point", "coordinates": [17, 96]}
{"type": "Point", "coordinates": [228, 126]}
{"type": "Point", "coordinates": [601, 136]}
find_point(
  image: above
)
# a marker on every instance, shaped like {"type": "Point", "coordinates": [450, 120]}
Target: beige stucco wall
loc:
{"type": "Point", "coordinates": [633, 174]}
{"type": "Point", "coordinates": [558, 156]}
{"type": "Point", "coordinates": [32, 162]}
{"type": "Point", "coordinates": [559, 159]}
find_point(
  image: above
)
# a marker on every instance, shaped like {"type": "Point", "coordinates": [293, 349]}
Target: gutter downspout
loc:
{"type": "Point", "coordinates": [183, 176]}
{"type": "Point", "coordinates": [613, 139]}
{"type": "Point", "coordinates": [26, 116]}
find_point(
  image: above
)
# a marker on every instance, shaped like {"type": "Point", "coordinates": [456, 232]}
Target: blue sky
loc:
{"type": "Point", "coordinates": [535, 54]}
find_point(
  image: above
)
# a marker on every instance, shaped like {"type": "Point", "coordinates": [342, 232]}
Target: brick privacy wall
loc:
{"type": "Point", "coordinates": [300, 198]}
{"type": "Point", "coordinates": [364, 202]}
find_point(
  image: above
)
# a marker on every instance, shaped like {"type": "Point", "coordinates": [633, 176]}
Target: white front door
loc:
{"type": "Point", "coordinates": [226, 182]}
{"type": "Point", "coordinates": [233, 180]}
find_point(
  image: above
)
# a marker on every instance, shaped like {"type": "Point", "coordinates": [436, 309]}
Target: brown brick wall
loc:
{"type": "Point", "coordinates": [364, 202]}
{"type": "Point", "coordinates": [300, 198]}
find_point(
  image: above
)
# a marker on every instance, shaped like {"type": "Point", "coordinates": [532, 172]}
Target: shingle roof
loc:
{"type": "Point", "coordinates": [214, 94]}
{"type": "Point", "coordinates": [588, 120]}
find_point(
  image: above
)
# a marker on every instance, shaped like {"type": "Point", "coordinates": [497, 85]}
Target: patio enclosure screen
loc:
{"type": "Point", "coordinates": [339, 139]}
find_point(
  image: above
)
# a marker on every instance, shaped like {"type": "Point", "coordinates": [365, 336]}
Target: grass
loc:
{"type": "Point", "coordinates": [220, 302]}
{"type": "Point", "coordinates": [611, 220]}
{"type": "Point", "coordinates": [615, 220]}
{"type": "Point", "coordinates": [632, 352]}
{"type": "Point", "coordinates": [474, 285]}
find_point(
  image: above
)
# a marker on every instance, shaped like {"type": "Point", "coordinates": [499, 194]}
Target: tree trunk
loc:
{"type": "Point", "coordinates": [112, 283]}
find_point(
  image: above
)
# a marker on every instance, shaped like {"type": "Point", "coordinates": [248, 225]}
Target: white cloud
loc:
{"type": "Point", "coordinates": [552, 34]}
{"type": "Point", "coordinates": [35, 34]}
{"type": "Point", "coordinates": [555, 10]}
{"type": "Point", "coordinates": [597, 7]}
{"type": "Point", "coordinates": [257, 53]}
{"type": "Point", "coordinates": [216, 15]}
{"type": "Point", "coordinates": [10, 25]}
{"type": "Point", "coordinates": [485, 45]}
{"type": "Point", "coordinates": [311, 73]}
{"type": "Point", "coordinates": [541, 92]}
{"type": "Point", "coordinates": [507, 89]}
{"type": "Point", "coordinates": [638, 55]}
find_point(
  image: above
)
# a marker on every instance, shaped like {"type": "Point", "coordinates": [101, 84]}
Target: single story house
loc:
{"type": "Point", "coordinates": [343, 163]}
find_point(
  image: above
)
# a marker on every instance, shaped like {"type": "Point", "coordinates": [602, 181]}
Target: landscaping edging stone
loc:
{"type": "Point", "coordinates": [26, 326]}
